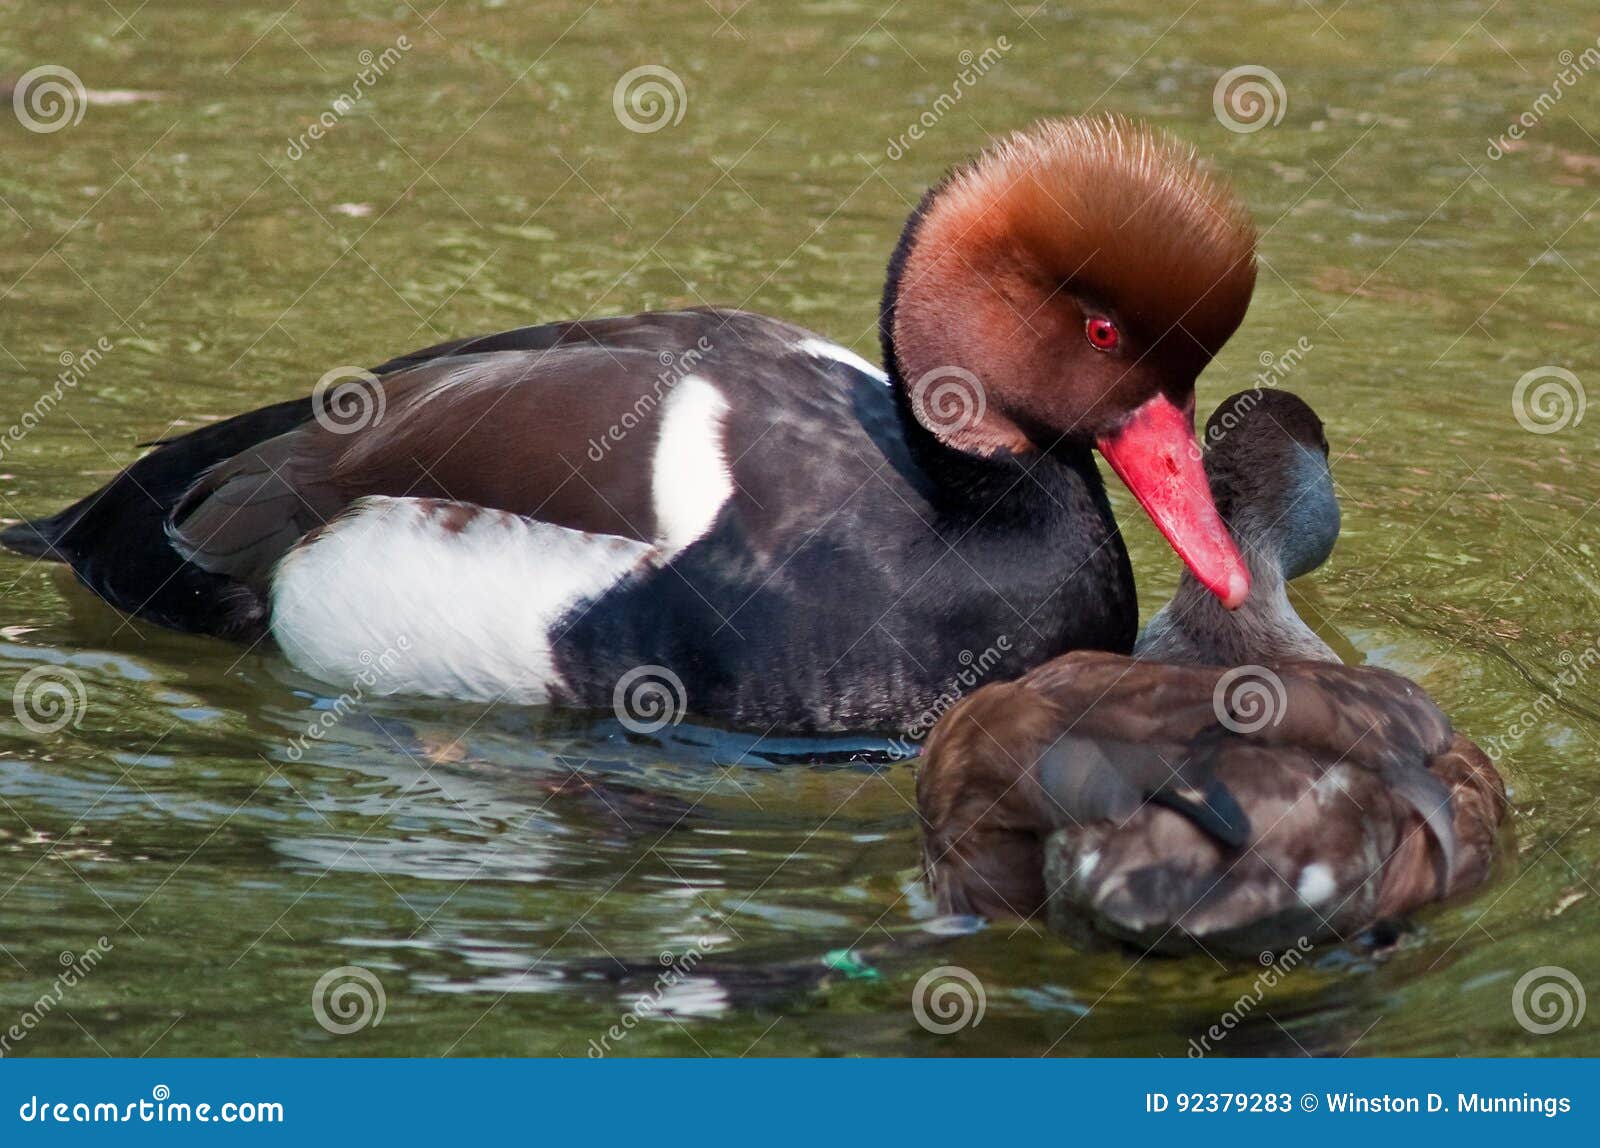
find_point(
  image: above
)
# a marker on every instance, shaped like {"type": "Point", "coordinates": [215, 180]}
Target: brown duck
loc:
{"type": "Point", "coordinates": [1232, 786]}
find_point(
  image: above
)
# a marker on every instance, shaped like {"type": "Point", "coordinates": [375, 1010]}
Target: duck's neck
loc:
{"type": "Point", "coordinates": [1195, 628]}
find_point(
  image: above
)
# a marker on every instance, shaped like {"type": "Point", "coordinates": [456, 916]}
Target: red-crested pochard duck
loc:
{"type": "Point", "coordinates": [803, 540]}
{"type": "Point", "coordinates": [1243, 791]}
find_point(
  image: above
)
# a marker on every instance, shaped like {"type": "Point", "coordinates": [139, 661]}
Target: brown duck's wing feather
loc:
{"type": "Point", "coordinates": [1478, 807]}
{"type": "Point", "coordinates": [1356, 803]}
{"type": "Point", "coordinates": [508, 431]}
{"type": "Point", "coordinates": [999, 775]}
{"type": "Point", "coordinates": [1364, 714]}
{"type": "Point", "coordinates": [1319, 837]}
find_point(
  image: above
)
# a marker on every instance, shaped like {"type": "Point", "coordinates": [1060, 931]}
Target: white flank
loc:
{"type": "Point", "coordinates": [823, 349]}
{"type": "Point", "coordinates": [471, 609]}
{"type": "Point", "coordinates": [690, 482]}
{"type": "Point", "coordinates": [1316, 884]}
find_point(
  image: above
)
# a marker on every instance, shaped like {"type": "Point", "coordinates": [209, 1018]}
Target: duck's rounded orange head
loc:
{"type": "Point", "coordinates": [1084, 271]}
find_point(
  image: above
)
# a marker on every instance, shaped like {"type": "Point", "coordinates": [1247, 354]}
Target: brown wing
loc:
{"type": "Point", "coordinates": [509, 430]}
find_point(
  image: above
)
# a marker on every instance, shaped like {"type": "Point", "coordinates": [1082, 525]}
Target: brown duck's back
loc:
{"type": "Point", "coordinates": [1112, 795]}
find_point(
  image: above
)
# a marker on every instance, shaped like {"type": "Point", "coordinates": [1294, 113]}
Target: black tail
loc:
{"type": "Point", "coordinates": [36, 539]}
{"type": "Point", "coordinates": [115, 540]}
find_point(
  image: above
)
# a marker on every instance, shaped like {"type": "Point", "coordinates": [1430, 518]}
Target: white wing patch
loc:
{"type": "Point", "coordinates": [469, 595]}
{"type": "Point", "coordinates": [690, 482]}
{"type": "Point", "coordinates": [823, 349]}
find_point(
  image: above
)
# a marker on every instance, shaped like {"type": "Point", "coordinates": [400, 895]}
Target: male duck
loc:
{"type": "Point", "coordinates": [1179, 803]}
{"type": "Point", "coordinates": [801, 539]}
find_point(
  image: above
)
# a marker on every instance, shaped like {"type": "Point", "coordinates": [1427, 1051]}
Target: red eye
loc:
{"type": "Point", "coordinates": [1102, 333]}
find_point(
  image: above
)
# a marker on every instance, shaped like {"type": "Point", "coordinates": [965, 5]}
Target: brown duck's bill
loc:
{"type": "Point", "coordinates": [1156, 454]}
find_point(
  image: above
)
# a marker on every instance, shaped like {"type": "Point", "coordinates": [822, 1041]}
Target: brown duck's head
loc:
{"type": "Point", "coordinates": [1267, 460]}
{"type": "Point", "coordinates": [1068, 287]}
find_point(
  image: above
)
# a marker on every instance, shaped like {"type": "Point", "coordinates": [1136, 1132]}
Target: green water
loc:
{"type": "Point", "coordinates": [484, 182]}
